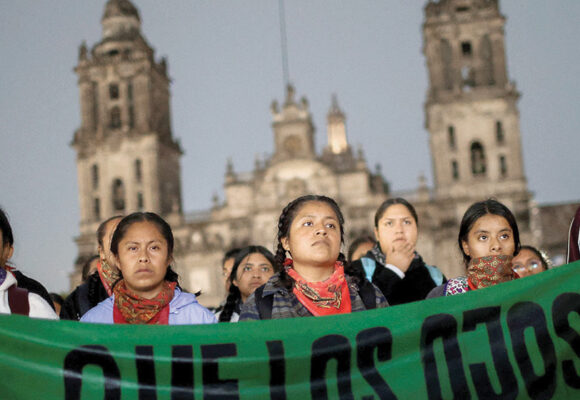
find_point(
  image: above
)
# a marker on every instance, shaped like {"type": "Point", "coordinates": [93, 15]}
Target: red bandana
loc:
{"type": "Point", "coordinates": [108, 274]}
{"type": "Point", "coordinates": [328, 297]}
{"type": "Point", "coordinates": [131, 308]}
{"type": "Point", "coordinates": [488, 271]}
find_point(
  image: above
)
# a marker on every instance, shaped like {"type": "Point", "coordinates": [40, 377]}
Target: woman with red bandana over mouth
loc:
{"type": "Point", "coordinates": [488, 239]}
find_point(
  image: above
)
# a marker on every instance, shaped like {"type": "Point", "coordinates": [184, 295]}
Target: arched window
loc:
{"type": "Point", "coordinates": [138, 171]}
{"type": "Point", "coordinates": [118, 195]}
{"type": "Point", "coordinates": [502, 166]}
{"type": "Point", "coordinates": [95, 103]}
{"type": "Point", "coordinates": [466, 49]}
{"type": "Point", "coordinates": [499, 133]}
{"type": "Point", "coordinates": [467, 77]}
{"type": "Point", "coordinates": [451, 136]}
{"type": "Point", "coordinates": [454, 170]}
{"type": "Point", "coordinates": [478, 166]}
{"type": "Point", "coordinates": [97, 208]}
{"type": "Point", "coordinates": [140, 201]}
{"type": "Point", "coordinates": [113, 91]}
{"type": "Point", "coordinates": [115, 117]}
{"type": "Point", "coordinates": [95, 176]}
{"type": "Point", "coordinates": [131, 107]}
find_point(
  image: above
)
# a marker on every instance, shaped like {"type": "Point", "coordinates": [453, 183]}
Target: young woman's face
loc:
{"type": "Point", "coordinates": [105, 252]}
{"type": "Point", "coordinates": [527, 263]}
{"type": "Point", "coordinates": [143, 259]}
{"type": "Point", "coordinates": [396, 227]}
{"type": "Point", "coordinates": [314, 236]}
{"type": "Point", "coordinates": [254, 270]}
{"type": "Point", "coordinates": [490, 235]}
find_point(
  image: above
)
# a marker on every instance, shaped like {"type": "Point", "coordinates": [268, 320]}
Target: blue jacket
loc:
{"type": "Point", "coordinates": [183, 310]}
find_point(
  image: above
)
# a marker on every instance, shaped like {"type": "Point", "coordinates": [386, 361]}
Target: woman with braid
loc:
{"type": "Point", "coordinates": [253, 266]}
{"type": "Point", "coordinates": [312, 281]}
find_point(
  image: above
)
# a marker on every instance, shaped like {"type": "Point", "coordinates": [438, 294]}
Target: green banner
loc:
{"type": "Point", "coordinates": [517, 340]}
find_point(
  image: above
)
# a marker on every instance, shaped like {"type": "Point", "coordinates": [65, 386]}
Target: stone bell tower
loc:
{"type": "Point", "coordinates": [471, 106]}
{"type": "Point", "coordinates": [293, 129]}
{"type": "Point", "coordinates": [127, 158]}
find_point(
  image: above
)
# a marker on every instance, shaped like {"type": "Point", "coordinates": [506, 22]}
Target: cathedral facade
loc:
{"type": "Point", "coordinates": [128, 159]}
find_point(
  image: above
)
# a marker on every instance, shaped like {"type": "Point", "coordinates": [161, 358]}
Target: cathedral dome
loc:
{"type": "Point", "coordinates": [120, 8]}
{"type": "Point", "coordinates": [120, 21]}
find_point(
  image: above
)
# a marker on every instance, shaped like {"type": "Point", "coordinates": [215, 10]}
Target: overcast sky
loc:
{"type": "Point", "coordinates": [225, 62]}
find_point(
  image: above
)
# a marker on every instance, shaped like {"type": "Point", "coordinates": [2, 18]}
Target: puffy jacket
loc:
{"type": "Point", "coordinates": [39, 308]}
{"type": "Point", "coordinates": [183, 310]}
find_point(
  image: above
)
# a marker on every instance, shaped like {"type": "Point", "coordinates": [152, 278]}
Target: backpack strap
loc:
{"type": "Point", "coordinates": [369, 266]}
{"type": "Point", "coordinates": [436, 274]}
{"type": "Point", "coordinates": [264, 303]}
{"type": "Point", "coordinates": [367, 293]}
{"type": "Point", "coordinates": [18, 300]}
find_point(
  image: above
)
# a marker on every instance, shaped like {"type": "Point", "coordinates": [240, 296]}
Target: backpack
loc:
{"type": "Point", "coordinates": [366, 291]}
{"type": "Point", "coordinates": [18, 300]}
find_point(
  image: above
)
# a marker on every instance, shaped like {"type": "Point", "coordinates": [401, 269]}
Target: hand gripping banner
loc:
{"type": "Point", "coordinates": [517, 340]}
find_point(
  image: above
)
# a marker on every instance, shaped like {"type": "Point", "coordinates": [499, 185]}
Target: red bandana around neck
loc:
{"type": "Point", "coordinates": [108, 274]}
{"type": "Point", "coordinates": [131, 308]}
{"type": "Point", "coordinates": [328, 297]}
{"type": "Point", "coordinates": [488, 271]}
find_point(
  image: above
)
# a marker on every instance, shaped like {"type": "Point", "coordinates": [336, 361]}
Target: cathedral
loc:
{"type": "Point", "coordinates": [128, 159]}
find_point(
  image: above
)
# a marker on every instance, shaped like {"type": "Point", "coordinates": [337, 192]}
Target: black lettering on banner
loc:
{"type": "Point", "coordinates": [325, 349]}
{"type": "Point", "coordinates": [367, 341]}
{"type": "Point", "coordinates": [277, 370]}
{"type": "Point", "coordinates": [563, 305]}
{"type": "Point", "coordinates": [82, 356]}
{"type": "Point", "coordinates": [525, 315]}
{"type": "Point", "coordinates": [490, 316]}
{"type": "Point", "coordinates": [145, 372]}
{"type": "Point", "coordinates": [213, 386]}
{"type": "Point", "coordinates": [182, 373]}
{"type": "Point", "coordinates": [442, 326]}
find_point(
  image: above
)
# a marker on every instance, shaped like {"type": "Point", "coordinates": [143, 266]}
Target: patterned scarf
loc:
{"type": "Point", "coordinates": [456, 286]}
{"type": "Point", "coordinates": [380, 257]}
{"type": "Point", "coordinates": [135, 309]}
{"type": "Point", "coordinates": [3, 274]}
{"type": "Point", "coordinates": [488, 271]}
{"type": "Point", "coordinates": [328, 297]}
{"type": "Point", "coordinates": [109, 275]}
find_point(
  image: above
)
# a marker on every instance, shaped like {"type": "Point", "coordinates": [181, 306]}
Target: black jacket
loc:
{"type": "Point", "coordinates": [83, 298]}
{"type": "Point", "coordinates": [415, 286]}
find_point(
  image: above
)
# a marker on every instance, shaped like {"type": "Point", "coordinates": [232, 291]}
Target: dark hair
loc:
{"type": "Point", "coordinates": [87, 267]}
{"type": "Point", "coordinates": [285, 221]}
{"type": "Point", "coordinates": [231, 253]}
{"type": "Point", "coordinates": [234, 294]}
{"type": "Point", "coordinates": [7, 237]}
{"type": "Point", "coordinates": [546, 263]}
{"type": "Point", "coordinates": [155, 219]}
{"type": "Point", "coordinates": [390, 202]}
{"type": "Point", "coordinates": [56, 298]}
{"type": "Point", "coordinates": [356, 243]}
{"type": "Point", "coordinates": [480, 209]}
{"type": "Point", "coordinates": [103, 227]}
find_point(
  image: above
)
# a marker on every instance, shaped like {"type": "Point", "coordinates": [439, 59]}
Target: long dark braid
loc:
{"type": "Point", "coordinates": [285, 221]}
{"type": "Point", "coordinates": [234, 296]}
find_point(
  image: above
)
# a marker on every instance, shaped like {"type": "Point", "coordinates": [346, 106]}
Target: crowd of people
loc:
{"type": "Point", "coordinates": [131, 279]}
